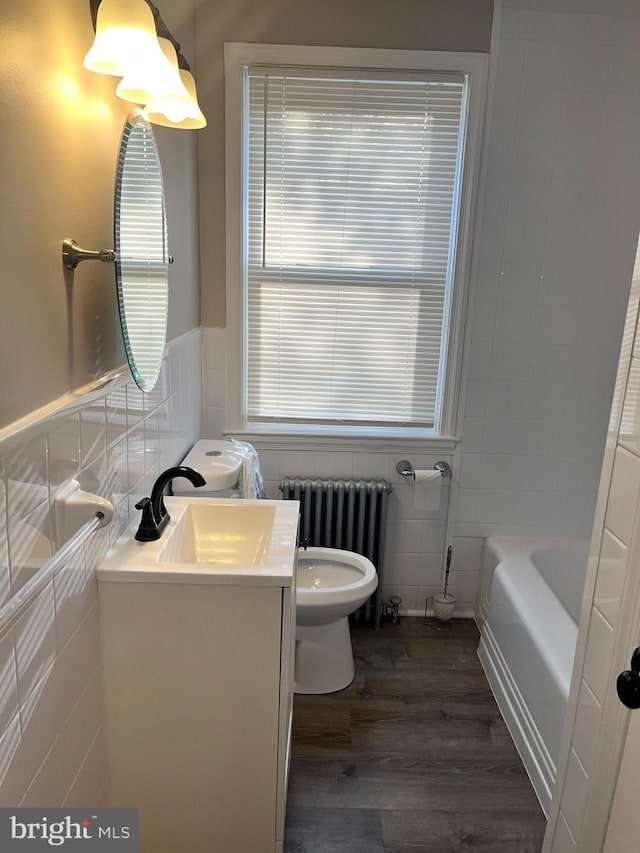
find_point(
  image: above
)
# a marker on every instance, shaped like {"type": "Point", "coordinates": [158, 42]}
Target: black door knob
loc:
{"type": "Point", "coordinates": [628, 687]}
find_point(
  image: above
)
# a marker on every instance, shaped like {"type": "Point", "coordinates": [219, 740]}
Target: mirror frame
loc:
{"type": "Point", "coordinates": [141, 245]}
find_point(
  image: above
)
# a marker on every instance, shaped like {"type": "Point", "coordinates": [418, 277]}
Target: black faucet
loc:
{"type": "Point", "coordinates": [154, 513]}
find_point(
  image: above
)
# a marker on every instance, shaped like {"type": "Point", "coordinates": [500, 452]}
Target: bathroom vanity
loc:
{"type": "Point", "coordinates": [198, 644]}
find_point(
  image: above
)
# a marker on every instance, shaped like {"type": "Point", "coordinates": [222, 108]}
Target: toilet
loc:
{"type": "Point", "coordinates": [220, 463]}
{"type": "Point", "coordinates": [331, 584]}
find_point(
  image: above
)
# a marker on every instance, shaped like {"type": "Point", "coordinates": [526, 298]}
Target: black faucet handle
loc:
{"type": "Point", "coordinates": [157, 492]}
{"type": "Point", "coordinates": [148, 529]}
{"type": "Point", "coordinates": [154, 512]}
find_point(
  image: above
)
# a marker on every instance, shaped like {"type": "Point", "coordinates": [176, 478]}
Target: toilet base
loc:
{"type": "Point", "coordinates": [324, 657]}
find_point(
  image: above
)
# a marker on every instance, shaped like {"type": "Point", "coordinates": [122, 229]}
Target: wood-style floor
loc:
{"type": "Point", "coordinates": [413, 757]}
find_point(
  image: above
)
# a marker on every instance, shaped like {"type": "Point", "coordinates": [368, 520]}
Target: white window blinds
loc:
{"type": "Point", "coordinates": [353, 184]}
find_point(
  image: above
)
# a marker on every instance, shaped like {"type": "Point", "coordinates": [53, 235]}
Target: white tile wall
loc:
{"type": "Point", "coordinates": [415, 541]}
{"type": "Point", "coordinates": [213, 380]}
{"type": "Point", "coordinates": [115, 440]}
{"type": "Point", "coordinates": [598, 655]}
{"type": "Point", "coordinates": [565, 842]}
{"type": "Point", "coordinates": [575, 793]}
{"type": "Point", "coordinates": [553, 266]}
{"type": "Point", "coordinates": [611, 575]}
{"type": "Point", "coordinates": [587, 721]}
{"type": "Point", "coordinates": [625, 483]}
{"type": "Point", "coordinates": [612, 534]}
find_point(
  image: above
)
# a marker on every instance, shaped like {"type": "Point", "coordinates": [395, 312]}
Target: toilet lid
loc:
{"type": "Point", "coordinates": [323, 574]}
{"type": "Point", "coordinates": [218, 461]}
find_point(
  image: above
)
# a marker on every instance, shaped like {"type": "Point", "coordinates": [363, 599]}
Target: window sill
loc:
{"type": "Point", "coordinates": [411, 440]}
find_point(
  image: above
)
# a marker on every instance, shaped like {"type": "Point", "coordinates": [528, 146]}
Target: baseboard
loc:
{"type": "Point", "coordinates": [463, 611]}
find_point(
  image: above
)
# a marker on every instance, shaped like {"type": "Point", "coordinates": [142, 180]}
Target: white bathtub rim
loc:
{"type": "Point", "coordinates": [512, 546]}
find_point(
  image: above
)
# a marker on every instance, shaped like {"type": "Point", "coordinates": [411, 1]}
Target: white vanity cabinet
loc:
{"type": "Point", "coordinates": [198, 674]}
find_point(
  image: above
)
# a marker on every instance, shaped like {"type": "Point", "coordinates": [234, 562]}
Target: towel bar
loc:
{"type": "Point", "coordinates": [30, 590]}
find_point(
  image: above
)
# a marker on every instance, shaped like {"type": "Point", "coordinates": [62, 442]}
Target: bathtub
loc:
{"type": "Point", "coordinates": [528, 613]}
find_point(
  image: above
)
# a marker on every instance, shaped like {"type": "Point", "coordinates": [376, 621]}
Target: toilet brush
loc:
{"type": "Point", "coordinates": [444, 602]}
{"type": "Point", "coordinates": [448, 568]}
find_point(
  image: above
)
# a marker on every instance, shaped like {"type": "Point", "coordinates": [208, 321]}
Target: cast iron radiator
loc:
{"type": "Point", "coordinates": [347, 514]}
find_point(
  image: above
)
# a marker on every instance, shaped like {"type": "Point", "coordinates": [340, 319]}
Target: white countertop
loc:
{"type": "Point", "coordinates": [129, 561]}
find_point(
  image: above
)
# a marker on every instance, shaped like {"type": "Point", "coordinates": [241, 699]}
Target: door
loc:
{"type": "Point", "coordinates": [623, 832]}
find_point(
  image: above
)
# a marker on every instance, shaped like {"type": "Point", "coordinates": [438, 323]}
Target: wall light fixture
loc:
{"type": "Point", "coordinates": [133, 42]}
{"type": "Point", "coordinates": [193, 119]}
{"type": "Point", "coordinates": [125, 38]}
{"type": "Point", "coordinates": [160, 80]}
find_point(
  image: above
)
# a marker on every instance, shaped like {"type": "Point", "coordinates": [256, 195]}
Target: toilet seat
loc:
{"type": "Point", "coordinates": [326, 574]}
{"type": "Point", "coordinates": [330, 584]}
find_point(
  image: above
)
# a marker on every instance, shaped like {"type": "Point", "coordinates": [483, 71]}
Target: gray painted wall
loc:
{"type": "Point", "coordinates": [61, 129]}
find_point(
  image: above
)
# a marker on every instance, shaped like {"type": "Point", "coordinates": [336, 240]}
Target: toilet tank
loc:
{"type": "Point", "coordinates": [219, 462]}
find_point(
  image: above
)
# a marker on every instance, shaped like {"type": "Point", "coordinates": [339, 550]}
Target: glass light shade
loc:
{"type": "Point", "coordinates": [194, 118]}
{"type": "Point", "coordinates": [125, 37]}
{"type": "Point", "coordinates": [157, 79]}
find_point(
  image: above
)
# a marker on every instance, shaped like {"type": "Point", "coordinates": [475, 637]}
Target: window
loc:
{"type": "Point", "coordinates": [350, 200]}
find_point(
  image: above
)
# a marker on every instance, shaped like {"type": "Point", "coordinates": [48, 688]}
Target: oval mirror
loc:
{"type": "Point", "coordinates": [142, 257]}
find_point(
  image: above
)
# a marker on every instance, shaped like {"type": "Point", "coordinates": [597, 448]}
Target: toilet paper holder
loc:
{"type": "Point", "coordinates": [406, 469]}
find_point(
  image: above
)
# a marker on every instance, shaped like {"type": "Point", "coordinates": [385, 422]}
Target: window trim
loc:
{"type": "Point", "coordinates": [237, 57]}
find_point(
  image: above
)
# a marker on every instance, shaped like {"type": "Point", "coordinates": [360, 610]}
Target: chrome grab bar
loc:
{"type": "Point", "coordinates": [25, 595]}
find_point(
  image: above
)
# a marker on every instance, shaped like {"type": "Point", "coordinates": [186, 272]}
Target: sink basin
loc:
{"type": "Point", "coordinates": [229, 534]}
{"type": "Point", "coordinates": [211, 540]}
